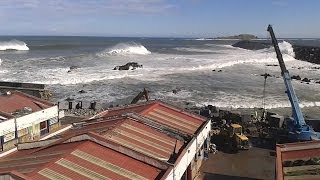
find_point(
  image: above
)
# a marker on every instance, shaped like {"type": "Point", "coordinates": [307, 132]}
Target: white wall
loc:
{"type": "Point", "coordinates": [28, 120]}
{"type": "Point", "coordinates": [191, 151]}
{"type": "Point", "coordinates": [7, 126]}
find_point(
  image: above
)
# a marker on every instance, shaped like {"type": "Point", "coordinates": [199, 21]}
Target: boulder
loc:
{"type": "Point", "coordinates": [306, 80]}
{"type": "Point", "coordinates": [128, 66]}
{"type": "Point", "coordinates": [296, 77]}
{"type": "Point", "coordinates": [82, 91]}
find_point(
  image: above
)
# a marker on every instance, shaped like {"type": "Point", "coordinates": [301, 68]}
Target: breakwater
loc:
{"type": "Point", "coordinates": [304, 53]}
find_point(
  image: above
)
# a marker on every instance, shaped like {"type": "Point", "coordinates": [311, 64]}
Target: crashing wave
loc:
{"type": "Point", "coordinates": [285, 48]}
{"type": "Point", "coordinates": [13, 45]}
{"type": "Point", "coordinates": [125, 49]}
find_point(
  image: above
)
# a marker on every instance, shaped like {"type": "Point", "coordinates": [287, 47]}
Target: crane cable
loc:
{"type": "Point", "coordinates": [265, 75]}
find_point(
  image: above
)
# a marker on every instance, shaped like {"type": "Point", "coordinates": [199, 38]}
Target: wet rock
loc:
{"type": "Point", "coordinates": [318, 82]}
{"type": "Point", "coordinates": [307, 53]}
{"type": "Point", "coordinates": [82, 91]}
{"type": "Point", "coordinates": [306, 80]}
{"type": "Point", "coordinates": [296, 77]}
{"type": "Point", "coordinates": [220, 70]}
{"type": "Point", "coordinates": [272, 65]}
{"type": "Point", "coordinates": [175, 91]}
{"type": "Point", "coordinates": [128, 66]}
{"type": "Point", "coordinates": [71, 68]}
{"type": "Point", "coordinates": [213, 70]}
{"type": "Point", "coordinates": [251, 45]}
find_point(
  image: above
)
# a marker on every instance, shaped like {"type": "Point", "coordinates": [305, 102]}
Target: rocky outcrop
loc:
{"type": "Point", "coordinates": [240, 36]}
{"type": "Point", "coordinates": [307, 53]}
{"type": "Point", "coordinates": [128, 66]}
{"type": "Point", "coordinates": [251, 45]}
{"type": "Point", "coordinates": [304, 53]}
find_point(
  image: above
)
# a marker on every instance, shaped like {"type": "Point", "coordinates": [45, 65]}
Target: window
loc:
{"type": "Point", "coordinates": [43, 125]}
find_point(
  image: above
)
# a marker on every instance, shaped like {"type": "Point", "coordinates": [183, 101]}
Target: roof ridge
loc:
{"type": "Point", "coordinates": [48, 103]}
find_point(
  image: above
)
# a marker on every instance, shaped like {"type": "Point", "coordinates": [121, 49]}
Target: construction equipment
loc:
{"type": "Point", "coordinates": [297, 128]}
{"type": "Point", "coordinates": [231, 137]}
{"type": "Point", "coordinates": [142, 94]}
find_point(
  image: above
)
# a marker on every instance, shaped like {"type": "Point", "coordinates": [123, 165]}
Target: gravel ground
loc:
{"type": "Point", "coordinates": [255, 163]}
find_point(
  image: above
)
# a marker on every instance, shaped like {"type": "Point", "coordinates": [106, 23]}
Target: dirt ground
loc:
{"type": "Point", "coordinates": [255, 163]}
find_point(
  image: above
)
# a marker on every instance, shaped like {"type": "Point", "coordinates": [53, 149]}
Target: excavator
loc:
{"type": "Point", "coordinates": [297, 128]}
{"type": "Point", "coordinates": [141, 95]}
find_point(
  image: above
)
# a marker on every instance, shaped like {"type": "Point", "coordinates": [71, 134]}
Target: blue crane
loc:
{"type": "Point", "coordinates": [297, 127]}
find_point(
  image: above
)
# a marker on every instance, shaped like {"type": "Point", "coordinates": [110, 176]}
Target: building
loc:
{"type": "Point", "coordinates": [152, 140]}
{"type": "Point", "coordinates": [25, 118]}
{"type": "Point", "coordinates": [298, 160]}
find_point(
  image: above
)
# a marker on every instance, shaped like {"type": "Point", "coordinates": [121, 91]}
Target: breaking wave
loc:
{"type": "Point", "coordinates": [13, 45]}
{"type": "Point", "coordinates": [125, 49]}
{"type": "Point", "coordinates": [285, 48]}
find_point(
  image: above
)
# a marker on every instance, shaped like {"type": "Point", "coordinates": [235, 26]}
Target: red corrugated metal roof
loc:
{"type": "Point", "coordinates": [114, 146]}
{"type": "Point", "coordinates": [24, 161]}
{"type": "Point", "coordinates": [18, 100]}
{"type": "Point", "coordinates": [143, 139]}
{"type": "Point", "coordinates": [118, 111]}
{"type": "Point", "coordinates": [133, 135]}
{"type": "Point", "coordinates": [90, 160]}
{"type": "Point", "coordinates": [161, 112]}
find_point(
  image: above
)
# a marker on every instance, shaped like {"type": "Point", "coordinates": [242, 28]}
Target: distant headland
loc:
{"type": "Point", "coordinates": [240, 36]}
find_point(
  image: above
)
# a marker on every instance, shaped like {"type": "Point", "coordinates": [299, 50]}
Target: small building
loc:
{"type": "Point", "coordinates": [25, 118]}
{"type": "Point", "coordinates": [151, 140]}
{"type": "Point", "coordinates": [298, 160]}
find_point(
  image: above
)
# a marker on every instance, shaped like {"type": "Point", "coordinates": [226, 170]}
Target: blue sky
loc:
{"type": "Point", "coordinates": [160, 18]}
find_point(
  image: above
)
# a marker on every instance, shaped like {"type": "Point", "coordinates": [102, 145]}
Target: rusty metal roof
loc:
{"type": "Point", "coordinates": [112, 145]}
{"type": "Point", "coordinates": [18, 100]}
{"type": "Point", "coordinates": [77, 160]}
{"type": "Point", "coordinates": [92, 161]}
{"type": "Point", "coordinates": [161, 112]}
{"type": "Point", "coordinates": [141, 138]}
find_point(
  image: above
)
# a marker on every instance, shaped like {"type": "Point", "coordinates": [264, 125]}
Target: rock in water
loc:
{"type": "Point", "coordinates": [296, 77]}
{"type": "Point", "coordinates": [128, 66]}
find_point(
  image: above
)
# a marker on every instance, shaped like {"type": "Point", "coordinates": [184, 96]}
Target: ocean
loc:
{"type": "Point", "coordinates": [202, 71]}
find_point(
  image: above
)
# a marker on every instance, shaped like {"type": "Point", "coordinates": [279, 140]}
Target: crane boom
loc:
{"type": "Point", "coordinates": [299, 130]}
{"type": "Point", "coordinates": [296, 111]}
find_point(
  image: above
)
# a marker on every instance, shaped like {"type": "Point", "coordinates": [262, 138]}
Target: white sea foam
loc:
{"type": "Point", "coordinates": [13, 45]}
{"type": "Point", "coordinates": [286, 48]}
{"type": "Point", "coordinates": [236, 101]}
{"type": "Point", "coordinates": [204, 39]}
{"type": "Point", "coordinates": [125, 49]}
{"type": "Point", "coordinates": [0, 62]}
{"type": "Point", "coordinates": [185, 49]}
{"type": "Point", "coordinates": [79, 76]}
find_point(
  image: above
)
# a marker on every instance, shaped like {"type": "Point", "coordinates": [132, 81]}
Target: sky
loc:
{"type": "Point", "coordinates": [160, 18]}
